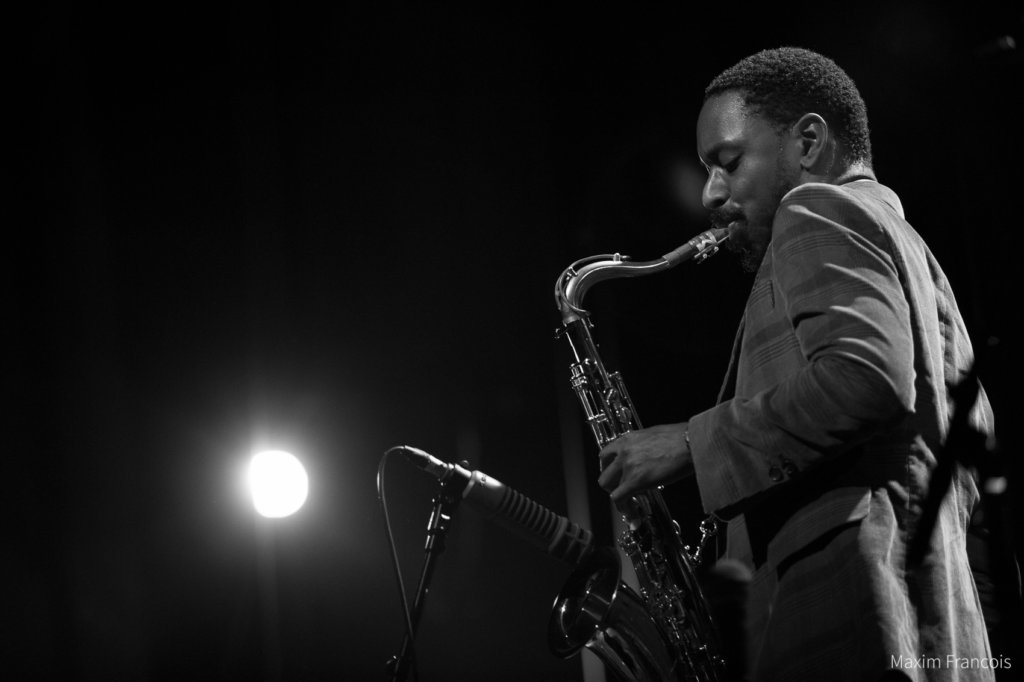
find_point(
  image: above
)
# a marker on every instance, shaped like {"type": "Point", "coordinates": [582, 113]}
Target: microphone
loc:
{"type": "Point", "coordinates": [510, 509]}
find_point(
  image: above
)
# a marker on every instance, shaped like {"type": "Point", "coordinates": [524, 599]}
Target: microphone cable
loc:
{"type": "Point", "coordinates": [406, 612]}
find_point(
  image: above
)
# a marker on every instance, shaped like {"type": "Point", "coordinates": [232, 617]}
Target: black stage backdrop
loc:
{"type": "Point", "coordinates": [336, 229]}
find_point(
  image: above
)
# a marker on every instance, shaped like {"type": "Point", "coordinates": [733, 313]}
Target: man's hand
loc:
{"type": "Point", "coordinates": [644, 459]}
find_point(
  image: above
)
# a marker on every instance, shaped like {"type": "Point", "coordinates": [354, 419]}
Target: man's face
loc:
{"type": "Point", "coordinates": [749, 171]}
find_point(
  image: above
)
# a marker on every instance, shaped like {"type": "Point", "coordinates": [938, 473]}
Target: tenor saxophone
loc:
{"type": "Point", "coordinates": [666, 631]}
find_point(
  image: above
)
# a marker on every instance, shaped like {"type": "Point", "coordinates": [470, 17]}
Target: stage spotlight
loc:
{"type": "Point", "coordinates": [278, 482]}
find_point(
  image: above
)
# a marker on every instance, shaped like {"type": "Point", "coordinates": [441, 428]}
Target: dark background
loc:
{"type": "Point", "coordinates": [335, 230]}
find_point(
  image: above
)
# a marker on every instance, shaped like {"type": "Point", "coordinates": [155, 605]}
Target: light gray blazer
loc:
{"type": "Point", "coordinates": [822, 442]}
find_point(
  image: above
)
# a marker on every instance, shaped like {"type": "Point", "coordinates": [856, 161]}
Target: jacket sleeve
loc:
{"type": "Point", "coordinates": [834, 276]}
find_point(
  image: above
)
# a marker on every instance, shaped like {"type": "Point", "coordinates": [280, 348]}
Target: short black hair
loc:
{"type": "Point", "coordinates": [785, 83]}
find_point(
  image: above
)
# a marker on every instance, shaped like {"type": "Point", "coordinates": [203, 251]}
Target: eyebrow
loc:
{"type": "Point", "coordinates": [715, 151]}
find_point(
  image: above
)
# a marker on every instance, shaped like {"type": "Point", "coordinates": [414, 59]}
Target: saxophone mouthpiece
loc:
{"type": "Point", "coordinates": [700, 248]}
{"type": "Point", "coordinates": [720, 233]}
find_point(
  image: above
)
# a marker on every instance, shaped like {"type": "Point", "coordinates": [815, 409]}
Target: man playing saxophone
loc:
{"type": "Point", "coordinates": [837, 396]}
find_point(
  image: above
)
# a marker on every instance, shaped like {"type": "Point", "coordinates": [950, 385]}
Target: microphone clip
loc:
{"type": "Point", "coordinates": [445, 502]}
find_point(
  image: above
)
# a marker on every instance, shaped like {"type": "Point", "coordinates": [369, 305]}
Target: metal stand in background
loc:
{"type": "Point", "coordinates": [992, 550]}
{"type": "Point", "coordinates": [445, 503]}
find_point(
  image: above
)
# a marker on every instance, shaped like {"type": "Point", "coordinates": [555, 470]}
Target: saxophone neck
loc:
{"type": "Point", "coordinates": [577, 279]}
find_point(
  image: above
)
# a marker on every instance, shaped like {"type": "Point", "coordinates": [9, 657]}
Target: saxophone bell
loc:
{"type": "Point", "coordinates": [596, 610]}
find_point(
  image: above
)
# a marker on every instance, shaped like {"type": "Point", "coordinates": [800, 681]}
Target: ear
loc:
{"type": "Point", "coordinates": [813, 138]}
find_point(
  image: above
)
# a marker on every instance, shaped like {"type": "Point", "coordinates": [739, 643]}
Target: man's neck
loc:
{"type": "Point", "coordinates": [854, 171]}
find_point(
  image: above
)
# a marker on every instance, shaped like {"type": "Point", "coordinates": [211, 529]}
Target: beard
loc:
{"type": "Point", "coordinates": [749, 240]}
{"type": "Point", "coordinates": [751, 232]}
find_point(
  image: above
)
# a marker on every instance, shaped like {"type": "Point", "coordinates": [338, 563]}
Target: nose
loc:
{"type": "Point", "coordinates": [716, 192]}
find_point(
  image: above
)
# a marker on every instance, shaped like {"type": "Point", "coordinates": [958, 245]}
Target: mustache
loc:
{"type": "Point", "coordinates": [721, 217]}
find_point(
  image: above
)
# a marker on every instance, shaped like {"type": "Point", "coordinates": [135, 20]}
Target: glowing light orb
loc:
{"type": "Point", "coordinates": [278, 482]}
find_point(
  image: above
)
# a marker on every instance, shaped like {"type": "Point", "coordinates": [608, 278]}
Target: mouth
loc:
{"type": "Point", "coordinates": [737, 241]}
{"type": "Point", "coordinates": [736, 228]}
{"type": "Point", "coordinates": [728, 219]}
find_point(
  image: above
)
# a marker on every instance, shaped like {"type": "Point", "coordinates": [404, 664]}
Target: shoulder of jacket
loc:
{"type": "Point", "coordinates": [817, 191]}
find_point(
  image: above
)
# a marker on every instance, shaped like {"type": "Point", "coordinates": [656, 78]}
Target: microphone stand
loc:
{"type": "Point", "coordinates": [445, 503]}
{"type": "Point", "coordinates": [967, 447]}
